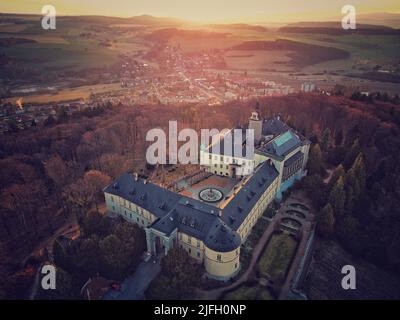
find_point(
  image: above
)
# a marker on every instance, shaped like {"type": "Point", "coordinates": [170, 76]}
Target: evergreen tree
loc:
{"type": "Point", "coordinates": [337, 198]}
{"type": "Point", "coordinates": [179, 276]}
{"type": "Point", "coordinates": [315, 160]}
{"type": "Point", "coordinates": [360, 172]}
{"type": "Point", "coordinates": [65, 288]}
{"type": "Point", "coordinates": [87, 258]}
{"type": "Point", "coordinates": [355, 182]}
{"type": "Point", "coordinates": [349, 200]}
{"type": "Point", "coordinates": [337, 173]}
{"type": "Point", "coordinates": [316, 190]}
{"type": "Point", "coordinates": [325, 140]}
{"type": "Point", "coordinates": [326, 221]}
{"type": "Point", "coordinates": [94, 223]}
{"type": "Point", "coordinates": [352, 154]}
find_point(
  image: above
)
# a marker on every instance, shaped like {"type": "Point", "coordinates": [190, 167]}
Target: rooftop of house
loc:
{"type": "Point", "coordinates": [159, 201]}
{"type": "Point", "coordinates": [274, 126]}
{"type": "Point", "coordinates": [214, 226]}
{"type": "Point", "coordinates": [247, 196]}
{"type": "Point", "coordinates": [281, 145]}
{"type": "Point", "coordinates": [282, 140]}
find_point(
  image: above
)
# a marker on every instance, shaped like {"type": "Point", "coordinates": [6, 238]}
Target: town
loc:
{"type": "Point", "coordinates": [179, 79]}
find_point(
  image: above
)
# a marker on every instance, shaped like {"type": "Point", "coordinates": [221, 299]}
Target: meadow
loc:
{"type": "Point", "coordinates": [82, 92]}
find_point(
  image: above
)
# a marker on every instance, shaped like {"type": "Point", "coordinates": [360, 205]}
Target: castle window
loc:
{"type": "Point", "coordinates": [218, 257]}
{"type": "Point", "coordinates": [198, 254]}
{"type": "Point", "coordinates": [189, 240]}
{"type": "Point", "coordinates": [198, 244]}
{"type": "Point", "coordinates": [235, 265]}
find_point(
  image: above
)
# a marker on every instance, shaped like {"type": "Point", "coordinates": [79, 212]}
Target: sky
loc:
{"type": "Point", "coordinates": [206, 10]}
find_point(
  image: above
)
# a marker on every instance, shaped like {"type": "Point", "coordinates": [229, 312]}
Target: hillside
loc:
{"type": "Point", "coordinates": [163, 35]}
{"type": "Point", "coordinates": [238, 26]}
{"type": "Point", "coordinates": [335, 28]}
{"type": "Point", "coordinates": [301, 54]}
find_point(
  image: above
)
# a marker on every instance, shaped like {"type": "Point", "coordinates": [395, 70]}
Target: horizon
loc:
{"type": "Point", "coordinates": [207, 11]}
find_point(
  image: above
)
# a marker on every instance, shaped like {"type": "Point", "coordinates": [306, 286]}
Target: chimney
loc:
{"type": "Point", "coordinates": [136, 176]}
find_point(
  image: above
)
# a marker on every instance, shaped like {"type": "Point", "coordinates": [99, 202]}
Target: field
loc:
{"type": "Point", "coordinates": [75, 44]}
{"type": "Point", "coordinates": [254, 60]}
{"type": "Point", "coordinates": [85, 43]}
{"type": "Point", "coordinates": [277, 256]}
{"type": "Point", "coordinates": [82, 92]}
{"type": "Point", "coordinates": [365, 50]}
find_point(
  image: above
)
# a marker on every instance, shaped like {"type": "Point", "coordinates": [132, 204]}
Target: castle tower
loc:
{"type": "Point", "coordinates": [256, 124]}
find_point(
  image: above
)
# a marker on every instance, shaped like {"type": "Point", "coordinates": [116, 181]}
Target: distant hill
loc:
{"type": "Point", "coordinates": [140, 20]}
{"type": "Point", "coordinates": [335, 28]}
{"type": "Point", "coordinates": [238, 26]}
{"type": "Point", "coordinates": [380, 18]}
{"type": "Point", "coordinates": [148, 19]}
{"type": "Point", "coordinates": [162, 35]}
{"type": "Point", "coordinates": [333, 24]}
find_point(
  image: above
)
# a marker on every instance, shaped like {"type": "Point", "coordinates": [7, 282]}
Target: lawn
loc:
{"type": "Point", "coordinates": [277, 256]}
{"type": "Point", "coordinates": [247, 292]}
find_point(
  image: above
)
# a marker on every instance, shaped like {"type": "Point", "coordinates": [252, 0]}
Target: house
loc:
{"type": "Point", "coordinates": [213, 231]}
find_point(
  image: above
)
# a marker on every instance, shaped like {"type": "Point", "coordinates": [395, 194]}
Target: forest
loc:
{"type": "Point", "coordinates": [52, 172]}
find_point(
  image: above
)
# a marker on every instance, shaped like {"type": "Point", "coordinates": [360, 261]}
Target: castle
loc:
{"type": "Point", "coordinates": [212, 224]}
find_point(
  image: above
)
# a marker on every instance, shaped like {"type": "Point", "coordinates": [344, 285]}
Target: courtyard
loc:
{"type": "Point", "coordinates": [212, 189]}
